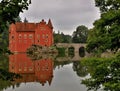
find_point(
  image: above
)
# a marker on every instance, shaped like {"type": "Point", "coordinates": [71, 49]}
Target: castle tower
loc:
{"type": "Point", "coordinates": [50, 24]}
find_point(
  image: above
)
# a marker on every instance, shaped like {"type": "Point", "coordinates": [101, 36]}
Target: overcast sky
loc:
{"type": "Point", "coordinates": [65, 15]}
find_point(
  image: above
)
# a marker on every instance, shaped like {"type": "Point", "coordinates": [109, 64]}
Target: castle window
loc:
{"type": "Point", "coordinates": [25, 69]}
{"type": "Point", "coordinates": [20, 69]}
{"type": "Point", "coordinates": [12, 67]}
{"type": "Point", "coordinates": [46, 35]}
{"type": "Point", "coordinates": [12, 37]}
{"type": "Point", "coordinates": [30, 36]}
{"type": "Point", "coordinates": [46, 40]}
{"type": "Point", "coordinates": [25, 36]}
{"type": "Point", "coordinates": [20, 36]}
{"type": "Point", "coordinates": [30, 69]}
{"type": "Point", "coordinates": [42, 28]}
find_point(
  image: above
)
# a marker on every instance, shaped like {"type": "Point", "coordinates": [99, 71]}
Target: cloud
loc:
{"type": "Point", "coordinates": [66, 15]}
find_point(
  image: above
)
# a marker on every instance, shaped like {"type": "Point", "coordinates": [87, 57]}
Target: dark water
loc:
{"type": "Point", "coordinates": [45, 74]}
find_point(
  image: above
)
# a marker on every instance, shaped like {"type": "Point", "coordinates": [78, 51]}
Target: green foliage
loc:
{"type": "Point", "coordinates": [71, 51]}
{"type": "Point", "coordinates": [4, 38]}
{"type": "Point", "coordinates": [4, 42]}
{"type": "Point", "coordinates": [80, 69]}
{"type": "Point", "coordinates": [106, 31]}
{"type": "Point", "coordinates": [10, 9]}
{"type": "Point", "coordinates": [106, 5]}
{"type": "Point", "coordinates": [81, 51]}
{"type": "Point", "coordinates": [5, 76]}
{"type": "Point", "coordinates": [103, 71]}
{"type": "Point", "coordinates": [9, 12]}
{"type": "Point", "coordinates": [60, 63]}
{"type": "Point", "coordinates": [4, 62]}
{"type": "Point", "coordinates": [80, 35]}
{"type": "Point", "coordinates": [61, 52]}
{"type": "Point", "coordinates": [18, 19]}
{"type": "Point", "coordinates": [62, 38]}
{"type": "Point", "coordinates": [4, 84]}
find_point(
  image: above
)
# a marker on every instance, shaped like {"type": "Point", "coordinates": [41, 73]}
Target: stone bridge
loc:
{"type": "Point", "coordinates": [76, 47]}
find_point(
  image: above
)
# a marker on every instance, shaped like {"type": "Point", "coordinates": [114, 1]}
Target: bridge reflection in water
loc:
{"type": "Point", "coordinates": [31, 71]}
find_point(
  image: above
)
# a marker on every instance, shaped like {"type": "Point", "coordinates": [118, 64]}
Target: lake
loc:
{"type": "Point", "coordinates": [45, 74]}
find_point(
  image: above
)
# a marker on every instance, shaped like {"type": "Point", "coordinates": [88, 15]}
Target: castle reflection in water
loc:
{"type": "Point", "coordinates": [31, 71]}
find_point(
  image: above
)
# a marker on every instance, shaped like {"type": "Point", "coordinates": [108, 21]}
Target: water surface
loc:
{"type": "Point", "coordinates": [45, 74]}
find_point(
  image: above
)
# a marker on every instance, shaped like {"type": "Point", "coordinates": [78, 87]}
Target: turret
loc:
{"type": "Point", "coordinates": [50, 24]}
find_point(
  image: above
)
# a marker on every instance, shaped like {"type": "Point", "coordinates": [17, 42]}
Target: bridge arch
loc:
{"type": "Point", "coordinates": [82, 51]}
{"type": "Point", "coordinates": [77, 47]}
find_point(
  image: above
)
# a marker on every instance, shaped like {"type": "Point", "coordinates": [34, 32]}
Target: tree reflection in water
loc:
{"type": "Point", "coordinates": [104, 72]}
{"type": "Point", "coordinates": [80, 69]}
{"type": "Point", "coordinates": [5, 76]}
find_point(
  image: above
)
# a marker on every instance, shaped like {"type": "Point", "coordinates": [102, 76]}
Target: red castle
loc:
{"type": "Point", "coordinates": [23, 35]}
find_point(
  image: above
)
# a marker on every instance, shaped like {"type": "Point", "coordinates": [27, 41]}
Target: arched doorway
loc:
{"type": "Point", "coordinates": [81, 51]}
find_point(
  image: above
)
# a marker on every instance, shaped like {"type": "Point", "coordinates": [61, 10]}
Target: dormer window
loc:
{"type": "Point", "coordinates": [30, 36]}
{"type": "Point", "coordinates": [25, 36]}
{"type": "Point", "coordinates": [46, 35]}
{"type": "Point", "coordinates": [20, 36]}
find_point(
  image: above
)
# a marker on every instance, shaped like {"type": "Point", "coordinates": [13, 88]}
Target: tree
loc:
{"type": "Point", "coordinates": [107, 5]}
{"type": "Point", "coordinates": [58, 38]}
{"type": "Point", "coordinates": [9, 13]}
{"type": "Point", "coordinates": [9, 10]}
{"type": "Point", "coordinates": [18, 19]}
{"type": "Point", "coordinates": [80, 35]}
{"type": "Point", "coordinates": [104, 73]}
{"type": "Point", "coordinates": [106, 31]}
{"type": "Point", "coordinates": [61, 38]}
{"type": "Point", "coordinates": [80, 69]}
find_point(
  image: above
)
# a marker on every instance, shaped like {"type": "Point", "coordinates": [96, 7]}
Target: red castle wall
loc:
{"type": "Point", "coordinates": [23, 35]}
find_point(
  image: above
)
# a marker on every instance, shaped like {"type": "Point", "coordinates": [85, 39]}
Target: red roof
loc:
{"type": "Point", "coordinates": [25, 26]}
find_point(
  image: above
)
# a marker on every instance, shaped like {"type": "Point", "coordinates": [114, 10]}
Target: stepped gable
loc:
{"type": "Point", "coordinates": [43, 22]}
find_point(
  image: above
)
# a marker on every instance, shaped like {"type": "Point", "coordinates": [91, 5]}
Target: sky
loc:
{"type": "Point", "coordinates": [66, 15]}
